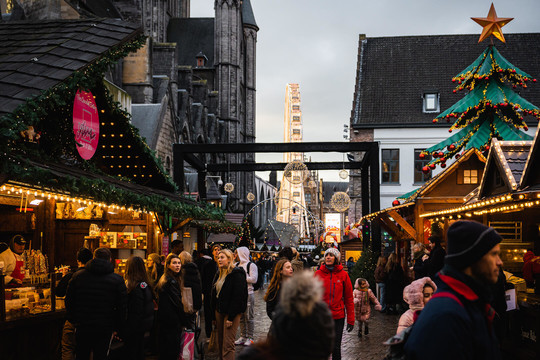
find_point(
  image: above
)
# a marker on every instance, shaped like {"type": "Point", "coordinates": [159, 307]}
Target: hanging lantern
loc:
{"type": "Point", "coordinates": [340, 201]}
{"type": "Point", "coordinates": [228, 187]}
{"type": "Point", "coordinates": [250, 197]}
{"type": "Point", "coordinates": [296, 172]}
{"type": "Point", "coordinates": [343, 174]}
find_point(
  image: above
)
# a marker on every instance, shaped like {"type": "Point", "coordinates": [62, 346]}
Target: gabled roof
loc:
{"type": "Point", "coordinates": [192, 36]}
{"type": "Point", "coordinates": [506, 159]}
{"type": "Point", "coordinates": [148, 118]}
{"type": "Point", "coordinates": [443, 175]}
{"type": "Point", "coordinates": [393, 73]}
{"type": "Point", "coordinates": [36, 56]}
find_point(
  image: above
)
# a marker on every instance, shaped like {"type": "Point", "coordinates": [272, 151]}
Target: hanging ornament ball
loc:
{"type": "Point", "coordinates": [432, 166]}
{"type": "Point", "coordinates": [451, 147]}
{"type": "Point", "coordinates": [487, 147]}
{"type": "Point", "coordinates": [443, 165]}
{"type": "Point", "coordinates": [434, 121]}
{"type": "Point", "coordinates": [425, 169]}
{"type": "Point", "coordinates": [526, 128]}
{"type": "Point", "coordinates": [458, 156]}
{"type": "Point", "coordinates": [228, 187]}
{"type": "Point", "coordinates": [343, 174]}
{"type": "Point", "coordinates": [395, 202]}
{"type": "Point", "coordinates": [296, 172]}
{"type": "Point", "coordinates": [340, 201]}
{"type": "Point", "coordinates": [441, 154]}
{"type": "Point", "coordinates": [422, 155]}
{"type": "Point", "coordinates": [250, 197]}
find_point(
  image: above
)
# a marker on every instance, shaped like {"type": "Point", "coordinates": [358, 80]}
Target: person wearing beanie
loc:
{"type": "Point", "coordinates": [338, 295]}
{"type": "Point", "coordinates": [417, 294]}
{"type": "Point", "coordinates": [302, 326]}
{"type": "Point", "coordinates": [457, 323]}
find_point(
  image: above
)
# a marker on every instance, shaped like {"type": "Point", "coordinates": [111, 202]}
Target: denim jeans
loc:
{"type": "Point", "coordinates": [381, 292]}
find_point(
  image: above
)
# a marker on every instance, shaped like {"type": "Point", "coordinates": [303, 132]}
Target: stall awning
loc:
{"type": "Point", "coordinates": [221, 238]}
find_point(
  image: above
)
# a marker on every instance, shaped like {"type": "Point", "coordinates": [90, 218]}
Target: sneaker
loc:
{"type": "Point", "coordinates": [240, 341]}
{"type": "Point", "coordinates": [248, 342]}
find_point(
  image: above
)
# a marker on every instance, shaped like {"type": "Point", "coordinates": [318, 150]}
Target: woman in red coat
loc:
{"type": "Point", "coordinates": [338, 294]}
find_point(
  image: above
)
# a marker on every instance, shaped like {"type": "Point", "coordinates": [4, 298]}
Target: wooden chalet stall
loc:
{"type": "Point", "coordinates": [508, 199]}
{"type": "Point", "coordinates": [405, 222]}
{"type": "Point", "coordinates": [52, 192]}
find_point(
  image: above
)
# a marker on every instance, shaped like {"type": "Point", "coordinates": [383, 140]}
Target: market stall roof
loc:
{"type": "Point", "coordinates": [531, 172]}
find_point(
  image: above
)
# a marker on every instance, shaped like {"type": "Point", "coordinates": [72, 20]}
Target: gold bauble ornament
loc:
{"type": "Point", "coordinates": [250, 197]}
{"type": "Point", "coordinates": [296, 172]}
{"type": "Point", "coordinates": [340, 201]}
{"type": "Point", "coordinates": [228, 187]}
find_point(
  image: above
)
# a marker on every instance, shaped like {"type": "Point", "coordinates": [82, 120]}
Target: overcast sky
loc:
{"type": "Point", "coordinates": [315, 43]}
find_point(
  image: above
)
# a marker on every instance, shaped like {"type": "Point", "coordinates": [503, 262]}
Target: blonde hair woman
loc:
{"type": "Point", "coordinates": [229, 301]}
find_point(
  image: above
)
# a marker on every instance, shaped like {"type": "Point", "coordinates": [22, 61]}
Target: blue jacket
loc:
{"type": "Point", "coordinates": [456, 326]}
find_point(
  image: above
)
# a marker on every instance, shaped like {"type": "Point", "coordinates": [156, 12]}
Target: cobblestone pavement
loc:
{"type": "Point", "coordinates": [368, 347]}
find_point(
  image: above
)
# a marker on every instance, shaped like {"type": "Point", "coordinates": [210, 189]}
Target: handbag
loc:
{"type": "Point", "coordinates": [188, 345]}
{"type": "Point", "coordinates": [187, 300]}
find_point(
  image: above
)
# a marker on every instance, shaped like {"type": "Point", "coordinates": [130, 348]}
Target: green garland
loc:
{"type": "Point", "coordinates": [223, 227]}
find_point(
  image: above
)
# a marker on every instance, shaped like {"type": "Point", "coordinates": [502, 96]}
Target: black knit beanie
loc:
{"type": "Point", "coordinates": [467, 242]}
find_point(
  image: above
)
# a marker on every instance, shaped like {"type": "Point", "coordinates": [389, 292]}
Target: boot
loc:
{"type": "Point", "coordinates": [360, 332]}
{"type": "Point", "coordinates": [366, 329]}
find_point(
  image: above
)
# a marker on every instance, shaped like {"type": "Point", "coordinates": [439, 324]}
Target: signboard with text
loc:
{"type": "Point", "coordinates": [85, 124]}
{"type": "Point", "coordinates": [332, 225]}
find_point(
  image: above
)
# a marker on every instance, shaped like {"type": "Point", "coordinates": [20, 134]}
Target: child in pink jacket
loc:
{"type": "Point", "coordinates": [417, 294]}
{"type": "Point", "coordinates": [362, 297]}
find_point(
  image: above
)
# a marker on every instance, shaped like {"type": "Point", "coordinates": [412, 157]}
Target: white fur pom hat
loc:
{"type": "Point", "coordinates": [334, 252]}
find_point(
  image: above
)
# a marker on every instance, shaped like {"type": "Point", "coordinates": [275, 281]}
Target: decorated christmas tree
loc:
{"type": "Point", "coordinates": [244, 238]}
{"type": "Point", "coordinates": [491, 107]}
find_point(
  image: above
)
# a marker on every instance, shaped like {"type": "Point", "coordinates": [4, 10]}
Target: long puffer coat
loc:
{"type": "Point", "coordinates": [363, 298]}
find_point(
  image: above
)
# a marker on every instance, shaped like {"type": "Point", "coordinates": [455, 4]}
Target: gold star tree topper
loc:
{"type": "Point", "coordinates": [492, 25]}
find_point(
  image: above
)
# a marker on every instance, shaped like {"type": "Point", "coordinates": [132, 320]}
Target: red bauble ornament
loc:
{"type": "Point", "coordinates": [440, 154]}
{"type": "Point", "coordinates": [434, 121]}
{"type": "Point", "coordinates": [449, 130]}
{"type": "Point", "coordinates": [454, 91]}
{"type": "Point", "coordinates": [422, 155]}
{"type": "Point", "coordinates": [443, 165]}
{"type": "Point", "coordinates": [526, 128]}
{"type": "Point", "coordinates": [534, 80]}
{"type": "Point", "coordinates": [452, 147]}
{"type": "Point", "coordinates": [435, 154]}
{"type": "Point", "coordinates": [432, 166]}
{"type": "Point", "coordinates": [425, 169]}
{"type": "Point", "coordinates": [487, 147]}
{"type": "Point", "coordinates": [458, 156]}
{"type": "Point", "coordinates": [395, 202]}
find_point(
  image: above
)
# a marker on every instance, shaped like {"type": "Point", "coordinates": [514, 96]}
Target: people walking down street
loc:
{"type": "Point", "coordinates": [303, 327]}
{"type": "Point", "coordinates": [96, 304]}
{"type": "Point", "coordinates": [208, 272]}
{"type": "Point", "coordinates": [434, 262]}
{"type": "Point", "coordinates": [338, 294]}
{"type": "Point", "coordinates": [363, 298]}
{"type": "Point", "coordinates": [394, 284]}
{"type": "Point", "coordinates": [350, 264]}
{"type": "Point", "coordinates": [282, 271]}
{"type": "Point", "coordinates": [286, 253]}
{"type": "Point", "coordinates": [84, 255]}
{"type": "Point", "coordinates": [457, 323]}
{"type": "Point", "coordinates": [171, 316]}
{"type": "Point", "coordinates": [229, 300]}
{"type": "Point", "coordinates": [419, 269]}
{"type": "Point", "coordinates": [416, 294]}
{"type": "Point", "coordinates": [154, 269]}
{"type": "Point", "coordinates": [297, 264]}
{"type": "Point", "coordinates": [247, 320]}
{"type": "Point", "coordinates": [380, 279]}
{"type": "Point", "coordinates": [190, 278]}
{"type": "Point", "coordinates": [140, 313]}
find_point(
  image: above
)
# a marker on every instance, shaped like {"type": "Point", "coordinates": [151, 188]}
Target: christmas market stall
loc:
{"type": "Point", "coordinates": [74, 172]}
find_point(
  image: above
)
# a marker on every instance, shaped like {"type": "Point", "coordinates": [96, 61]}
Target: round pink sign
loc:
{"type": "Point", "coordinates": [85, 124]}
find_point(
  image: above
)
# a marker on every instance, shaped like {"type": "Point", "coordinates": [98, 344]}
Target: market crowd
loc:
{"type": "Point", "coordinates": [449, 302]}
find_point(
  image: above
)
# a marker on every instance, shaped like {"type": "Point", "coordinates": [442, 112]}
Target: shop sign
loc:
{"type": "Point", "coordinates": [332, 223]}
{"type": "Point", "coordinates": [85, 124]}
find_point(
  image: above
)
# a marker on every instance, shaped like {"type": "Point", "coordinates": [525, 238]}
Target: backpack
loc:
{"type": "Point", "coordinates": [260, 276]}
{"type": "Point", "coordinates": [396, 343]}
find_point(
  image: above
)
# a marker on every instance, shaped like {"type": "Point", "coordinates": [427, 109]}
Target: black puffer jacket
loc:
{"type": "Point", "coordinates": [96, 297]}
{"type": "Point", "coordinates": [170, 312]}
{"type": "Point", "coordinates": [192, 279]}
{"type": "Point", "coordinates": [208, 272]}
{"type": "Point", "coordinates": [232, 298]}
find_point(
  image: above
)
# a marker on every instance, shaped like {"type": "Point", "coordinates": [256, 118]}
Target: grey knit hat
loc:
{"type": "Point", "coordinates": [334, 252]}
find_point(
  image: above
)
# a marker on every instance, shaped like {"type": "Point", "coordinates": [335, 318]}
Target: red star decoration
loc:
{"type": "Point", "coordinates": [492, 25]}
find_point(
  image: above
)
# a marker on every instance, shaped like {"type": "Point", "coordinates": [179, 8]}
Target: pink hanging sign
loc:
{"type": "Point", "coordinates": [85, 124]}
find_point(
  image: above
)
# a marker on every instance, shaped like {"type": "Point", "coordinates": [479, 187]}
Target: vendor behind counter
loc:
{"type": "Point", "coordinates": [14, 266]}
{"type": "Point", "coordinates": [531, 270]}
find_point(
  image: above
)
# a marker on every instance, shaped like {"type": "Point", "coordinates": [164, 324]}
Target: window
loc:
{"type": "Point", "coordinates": [431, 102]}
{"type": "Point", "coordinates": [390, 166]}
{"type": "Point", "coordinates": [419, 176]}
{"type": "Point", "coordinates": [296, 107]}
{"type": "Point", "coordinates": [296, 118]}
{"type": "Point", "coordinates": [296, 131]}
{"type": "Point", "coordinates": [470, 176]}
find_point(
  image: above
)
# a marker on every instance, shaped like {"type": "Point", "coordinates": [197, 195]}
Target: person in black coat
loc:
{"type": "Point", "coordinates": [435, 261]}
{"type": "Point", "coordinates": [208, 272]}
{"type": "Point", "coordinates": [419, 267]}
{"type": "Point", "coordinates": [84, 255]}
{"type": "Point", "coordinates": [190, 278]}
{"type": "Point", "coordinates": [171, 316]}
{"type": "Point", "coordinates": [140, 316]}
{"type": "Point", "coordinates": [395, 282]}
{"type": "Point", "coordinates": [96, 303]}
{"type": "Point", "coordinates": [229, 300]}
